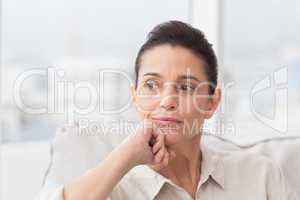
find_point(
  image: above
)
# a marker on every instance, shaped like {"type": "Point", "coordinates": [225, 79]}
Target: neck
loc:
{"type": "Point", "coordinates": [185, 167]}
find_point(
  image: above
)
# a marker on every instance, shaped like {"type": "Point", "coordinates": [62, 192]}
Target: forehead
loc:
{"type": "Point", "coordinates": [171, 62]}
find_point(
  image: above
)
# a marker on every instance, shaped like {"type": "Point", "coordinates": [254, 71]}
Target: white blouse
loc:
{"type": "Point", "coordinates": [224, 175]}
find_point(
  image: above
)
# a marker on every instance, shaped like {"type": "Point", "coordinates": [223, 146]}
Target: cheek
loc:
{"type": "Point", "coordinates": [193, 126]}
{"type": "Point", "coordinates": [200, 106]}
{"type": "Point", "coordinates": [193, 107]}
{"type": "Point", "coordinates": [145, 106]}
{"type": "Point", "coordinates": [193, 116]}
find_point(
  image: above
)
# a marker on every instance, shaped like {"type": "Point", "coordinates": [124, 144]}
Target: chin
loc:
{"type": "Point", "coordinates": [173, 138]}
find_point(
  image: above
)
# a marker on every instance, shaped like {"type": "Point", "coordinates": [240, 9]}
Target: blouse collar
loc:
{"type": "Point", "coordinates": [212, 167]}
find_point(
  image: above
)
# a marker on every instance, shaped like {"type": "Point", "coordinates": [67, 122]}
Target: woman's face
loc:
{"type": "Point", "coordinates": [173, 91]}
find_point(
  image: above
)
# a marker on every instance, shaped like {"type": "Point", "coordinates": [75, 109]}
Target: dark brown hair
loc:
{"type": "Point", "coordinates": [182, 34]}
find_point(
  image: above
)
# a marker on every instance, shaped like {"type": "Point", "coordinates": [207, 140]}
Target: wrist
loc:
{"type": "Point", "coordinates": [129, 153]}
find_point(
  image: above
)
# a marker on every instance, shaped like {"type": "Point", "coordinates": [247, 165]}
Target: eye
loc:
{"type": "Point", "coordinates": [151, 84]}
{"type": "Point", "coordinates": [186, 87]}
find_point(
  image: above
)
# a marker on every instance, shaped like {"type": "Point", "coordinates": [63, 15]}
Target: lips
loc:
{"type": "Point", "coordinates": [166, 120]}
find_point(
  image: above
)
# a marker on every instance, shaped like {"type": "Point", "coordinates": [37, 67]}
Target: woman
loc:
{"type": "Point", "coordinates": [175, 91]}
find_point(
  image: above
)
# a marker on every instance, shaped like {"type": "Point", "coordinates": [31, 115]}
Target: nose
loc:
{"type": "Point", "coordinates": [169, 98]}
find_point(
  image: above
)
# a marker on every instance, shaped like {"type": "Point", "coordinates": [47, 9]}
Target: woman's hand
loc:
{"type": "Point", "coordinates": [136, 149]}
{"type": "Point", "coordinates": [147, 146]}
{"type": "Point", "coordinates": [162, 155]}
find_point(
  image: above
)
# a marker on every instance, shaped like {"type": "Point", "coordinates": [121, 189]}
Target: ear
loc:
{"type": "Point", "coordinates": [213, 103]}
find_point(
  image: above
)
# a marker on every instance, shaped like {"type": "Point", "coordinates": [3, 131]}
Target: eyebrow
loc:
{"type": "Point", "coordinates": [180, 77]}
{"type": "Point", "coordinates": [189, 77]}
{"type": "Point", "coordinates": [152, 74]}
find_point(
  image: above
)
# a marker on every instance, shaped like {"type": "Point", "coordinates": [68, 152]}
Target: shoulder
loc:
{"type": "Point", "coordinates": [252, 173]}
{"type": "Point", "coordinates": [256, 170]}
{"type": "Point", "coordinates": [240, 160]}
{"type": "Point", "coordinates": [250, 167]}
{"type": "Point", "coordinates": [248, 160]}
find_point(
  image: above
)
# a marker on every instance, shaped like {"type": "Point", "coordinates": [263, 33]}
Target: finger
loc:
{"type": "Point", "coordinates": [157, 146]}
{"type": "Point", "coordinates": [161, 138]}
{"type": "Point", "coordinates": [154, 140]}
{"type": "Point", "coordinates": [156, 130]}
{"type": "Point", "coordinates": [151, 157]}
{"type": "Point", "coordinates": [159, 156]}
{"type": "Point", "coordinates": [166, 159]}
